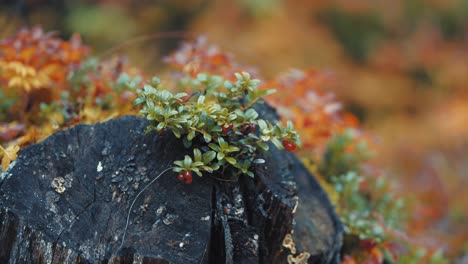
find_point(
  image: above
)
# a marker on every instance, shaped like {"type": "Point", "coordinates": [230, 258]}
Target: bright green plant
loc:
{"type": "Point", "coordinates": [338, 161]}
{"type": "Point", "coordinates": [357, 209]}
{"type": "Point", "coordinates": [218, 120]}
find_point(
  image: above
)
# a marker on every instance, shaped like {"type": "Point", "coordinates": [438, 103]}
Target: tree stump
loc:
{"type": "Point", "coordinates": [66, 199]}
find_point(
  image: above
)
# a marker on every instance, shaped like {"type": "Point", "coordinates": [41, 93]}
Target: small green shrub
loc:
{"type": "Point", "coordinates": [218, 120]}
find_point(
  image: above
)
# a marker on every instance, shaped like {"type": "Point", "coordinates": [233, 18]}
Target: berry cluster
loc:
{"type": "Point", "coordinates": [185, 176]}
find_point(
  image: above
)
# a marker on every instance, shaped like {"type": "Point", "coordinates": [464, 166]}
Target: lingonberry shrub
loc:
{"type": "Point", "coordinates": [218, 119]}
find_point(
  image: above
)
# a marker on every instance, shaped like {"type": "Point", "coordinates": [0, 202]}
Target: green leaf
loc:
{"type": "Point", "coordinates": [232, 149]}
{"type": "Point", "coordinates": [160, 126]}
{"type": "Point", "coordinates": [231, 160]}
{"type": "Point", "coordinates": [263, 145]}
{"type": "Point", "coordinates": [222, 144]}
{"type": "Point", "coordinates": [177, 169]}
{"type": "Point", "coordinates": [187, 143]}
{"type": "Point", "coordinates": [207, 137]}
{"type": "Point", "coordinates": [176, 133]}
{"type": "Point", "coordinates": [197, 171]}
{"type": "Point", "coordinates": [216, 129]}
{"type": "Point", "coordinates": [207, 168]}
{"type": "Point", "coordinates": [139, 100]}
{"type": "Point", "coordinates": [277, 129]}
{"type": "Point", "coordinates": [201, 99]}
{"type": "Point", "coordinates": [197, 155]}
{"type": "Point", "coordinates": [197, 164]}
{"type": "Point", "coordinates": [202, 77]}
{"type": "Point", "coordinates": [214, 147]}
{"type": "Point", "coordinates": [187, 162]}
{"type": "Point", "coordinates": [267, 92]}
{"type": "Point", "coordinates": [251, 114]}
{"type": "Point", "coordinates": [277, 143]}
{"type": "Point", "coordinates": [155, 81]}
{"type": "Point", "coordinates": [246, 164]}
{"type": "Point", "coordinates": [149, 89]}
{"type": "Point", "coordinates": [191, 135]}
{"type": "Point", "coordinates": [262, 124]}
{"type": "Point", "coordinates": [220, 156]}
{"type": "Point", "coordinates": [228, 85]}
{"type": "Point", "coordinates": [180, 95]}
{"type": "Point", "coordinates": [216, 166]}
{"type": "Point", "coordinates": [209, 156]}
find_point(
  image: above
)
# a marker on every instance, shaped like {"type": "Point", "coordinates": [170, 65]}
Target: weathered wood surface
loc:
{"type": "Point", "coordinates": [105, 165]}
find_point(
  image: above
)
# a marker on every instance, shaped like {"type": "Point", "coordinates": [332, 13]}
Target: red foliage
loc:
{"type": "Point", "coordinates": [315, 112]}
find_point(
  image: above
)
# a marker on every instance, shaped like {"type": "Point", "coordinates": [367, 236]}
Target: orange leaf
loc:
{"type": "Point", "coordinates": [9, 154]}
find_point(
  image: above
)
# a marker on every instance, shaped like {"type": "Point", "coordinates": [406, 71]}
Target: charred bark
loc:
{"type": "Point", "coordinates": [65, 200]}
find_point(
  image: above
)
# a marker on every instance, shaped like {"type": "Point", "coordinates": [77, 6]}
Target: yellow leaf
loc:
{"type": "Point", "coordinates": [9, 154]}
{"type": "Point", "coordinates": [29, 137]}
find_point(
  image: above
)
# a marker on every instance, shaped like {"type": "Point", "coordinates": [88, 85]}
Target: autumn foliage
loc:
{"type": "Point", "coordinates": [68, 87]}
{"type": "Point", "coordinates": [34, 59]}
{"type": "Point", "coordinates": [316, 112]}
{"type": "Point", "coordinates": [200, 56]}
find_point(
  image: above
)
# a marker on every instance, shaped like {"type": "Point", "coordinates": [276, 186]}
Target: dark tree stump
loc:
{"type": "Point", "coordinates": [102, 168]}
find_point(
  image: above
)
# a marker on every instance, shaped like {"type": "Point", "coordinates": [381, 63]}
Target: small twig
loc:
{"type": "Point", "coordinates": [134, 200]}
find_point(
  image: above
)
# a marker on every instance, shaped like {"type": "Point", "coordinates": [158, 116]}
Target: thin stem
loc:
{"type": "Point", "coordinates": [134, 200]}
{"type": "Point", "coordinates": [249, 105]}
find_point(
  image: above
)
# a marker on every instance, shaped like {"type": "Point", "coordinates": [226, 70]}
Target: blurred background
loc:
{"type": "Point", "coordinates": [400, 66]}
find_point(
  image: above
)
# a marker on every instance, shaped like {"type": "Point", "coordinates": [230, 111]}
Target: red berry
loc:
{"type": "Point", "coordinates": [185, 176]}
{"type": "Point", "coordinates": [254, 127]}
{"type": "Point", "coordinates": [248, 128]}
{"type": "Point", "coordinates": [226, 128]}
{"type": "Point", "coordinates": [180, 177]}
{"type": "Point", "coordinates": [289, 145]}
{"type": "Point", "coordinates": [188, 175]}
{"type": "Point", "coordinates": [188, 181]}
